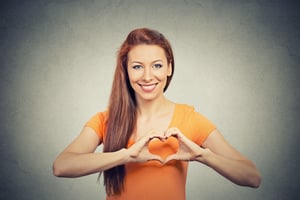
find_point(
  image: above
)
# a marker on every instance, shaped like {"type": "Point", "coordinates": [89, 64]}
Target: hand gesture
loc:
{"type": "Point", "coordinates": [187, 151]}
{"type": "Point", "coordinates": [139, 151]}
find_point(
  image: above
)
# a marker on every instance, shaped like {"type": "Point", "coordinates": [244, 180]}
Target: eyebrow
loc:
{"type": "Point", "coordinates": [159, 60]}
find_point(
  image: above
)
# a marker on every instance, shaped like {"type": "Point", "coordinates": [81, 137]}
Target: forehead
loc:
{"type": "Point", "coordinates": [146, 53]}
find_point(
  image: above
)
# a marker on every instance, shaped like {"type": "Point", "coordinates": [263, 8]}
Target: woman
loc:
{"type": "Point", "coordinates": [148, 139]}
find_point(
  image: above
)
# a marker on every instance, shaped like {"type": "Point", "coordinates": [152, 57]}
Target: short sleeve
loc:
{"type": "Point", "coordinates": [201, 127]}
{"type": "Point", "coordinates": [98, 124]}
{"type": "Point", "coordinates": [191, 123]}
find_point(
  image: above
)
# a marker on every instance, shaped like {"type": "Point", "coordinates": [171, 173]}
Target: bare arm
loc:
{"type": "Point", "coordinates": [227, 161]}
{"type": "Point", "coordinates": [218, 154]}
{"type": "Point", "coordinates": [79, 158]}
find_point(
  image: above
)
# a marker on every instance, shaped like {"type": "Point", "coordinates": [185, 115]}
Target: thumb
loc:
{"type": "Point", "coordinates": [170, 157]}
{"type": "Point", "coordinates": [156, 157]}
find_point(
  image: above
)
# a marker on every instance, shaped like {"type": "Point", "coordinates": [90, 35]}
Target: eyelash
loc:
{"type": "Point", "coordinates": [137, 66]}
{"type": "Point", "coordinates": [155, 66]}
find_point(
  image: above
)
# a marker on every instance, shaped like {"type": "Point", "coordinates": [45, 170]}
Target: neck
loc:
{"type": "Point", "coordinates": [150, 108]}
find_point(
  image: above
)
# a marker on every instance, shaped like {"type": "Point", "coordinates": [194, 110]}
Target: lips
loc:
{"type": "Point", "coordinates": [148, 87]}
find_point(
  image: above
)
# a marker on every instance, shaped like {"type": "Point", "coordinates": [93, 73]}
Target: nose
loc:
{"type": "Point", "coordinates": [147, 76]}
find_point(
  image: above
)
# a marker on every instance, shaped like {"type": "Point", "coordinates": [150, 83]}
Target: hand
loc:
{"type": "Point", "coordinates": [187, 151]}
{"type": "Point", "coordinates": [139, 151]}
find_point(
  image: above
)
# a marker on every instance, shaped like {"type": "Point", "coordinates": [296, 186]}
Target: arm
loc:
{"type": "Point", "coordinates": [79, 159]}
{"type": "Point", "coordinates": [219, 155]}
{"type": "Point", "coordinates": [226, 160]}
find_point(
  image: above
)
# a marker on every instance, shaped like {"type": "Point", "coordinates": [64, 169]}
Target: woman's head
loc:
{"type": "Point", "coordinates": [144, 36]}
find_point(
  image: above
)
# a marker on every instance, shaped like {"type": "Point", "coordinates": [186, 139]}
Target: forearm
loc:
{"type": "Point", "coordinates": [70, 164]}
{"type": "Point", "coordinates": [241, 172]}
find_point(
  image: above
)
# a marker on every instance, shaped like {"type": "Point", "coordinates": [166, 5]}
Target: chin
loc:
{"type": "Point", "coordinates": [148, 97]}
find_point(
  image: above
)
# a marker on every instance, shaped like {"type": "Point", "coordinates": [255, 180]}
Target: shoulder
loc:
{"type": "Point", "coordinates": [183, 114]}
{"type": "Point", "coordinates": [196, 125]}
{"type": "Point", "coordinates": [184, 108]}
{"type": "Point", "coordinates": [98, 122]}
{"type": "Point", "coordinates": [101, 115]}
{"type": "Point", "coordinates": [188, 112]}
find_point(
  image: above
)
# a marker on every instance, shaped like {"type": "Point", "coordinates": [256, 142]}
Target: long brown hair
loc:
{"type": "Point", "coordinates": [122, 105]}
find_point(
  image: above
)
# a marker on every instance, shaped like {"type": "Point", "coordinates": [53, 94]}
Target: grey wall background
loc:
{"type": "Point", "coordinates": [237, 62]}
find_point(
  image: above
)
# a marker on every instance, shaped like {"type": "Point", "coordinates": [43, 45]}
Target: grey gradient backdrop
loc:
{"type": "Point", "coordinates": [237, 62]}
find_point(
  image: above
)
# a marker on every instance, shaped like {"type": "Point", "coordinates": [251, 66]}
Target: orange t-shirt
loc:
{"type": "Point", "coordinates": [153, 180]}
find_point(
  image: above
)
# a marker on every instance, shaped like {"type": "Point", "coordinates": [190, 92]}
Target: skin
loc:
{"type": "Point", "coordinates": [148, 70]}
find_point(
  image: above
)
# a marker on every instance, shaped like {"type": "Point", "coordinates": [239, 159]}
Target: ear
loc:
{"type": "Point", "coordinates": [170, 69]}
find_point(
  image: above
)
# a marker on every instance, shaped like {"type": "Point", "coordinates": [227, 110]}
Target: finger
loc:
{"type": "Point", "coordinates": [171, 157]}
{"type": "Point", "coordinates": [172, 132]}
{"type": "Point", "coordinates": [154, 136]}
{"type": "Point", "coordinates": [160, 137]}
{"type": "Point", "coordinates": [169, 132]}
{"type": "Point", "coordinates": [144, 142]}
{"type": "Point", "coordinates": [156, 157]}
{"type": "Point", "coordinates": [138, 146]}
{"type": "Point", "coordinates": [148, 138]}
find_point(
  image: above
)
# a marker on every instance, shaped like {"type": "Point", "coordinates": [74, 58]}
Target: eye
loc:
{"type": "Point", "coordinates": [157, 66]}
{"type": "Point", "coordinates": [137, 66]}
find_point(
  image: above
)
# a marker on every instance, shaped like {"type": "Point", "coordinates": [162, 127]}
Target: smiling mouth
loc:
{"type": "Point", "coordinates": [148, 87]}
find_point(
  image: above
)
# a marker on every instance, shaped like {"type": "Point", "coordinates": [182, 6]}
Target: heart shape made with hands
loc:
{"type": "Point", "coordinates": [163, 148]}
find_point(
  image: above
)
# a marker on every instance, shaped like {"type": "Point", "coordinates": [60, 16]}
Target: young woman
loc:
{"type": "Point", "coordinates": [148, 139]}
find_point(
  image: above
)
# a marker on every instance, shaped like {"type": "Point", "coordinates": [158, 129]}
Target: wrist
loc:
{"type": "Point", "coordinates": [124, 155]}
{"type": "Point", "coordinates": [204, 156]}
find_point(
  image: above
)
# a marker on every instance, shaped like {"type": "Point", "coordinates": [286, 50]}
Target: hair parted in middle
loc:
{"type": "Point", "coordinates": [122, 118]}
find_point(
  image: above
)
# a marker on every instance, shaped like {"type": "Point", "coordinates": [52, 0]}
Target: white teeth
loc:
{"type": "Point", "coordinates": [148, 87]}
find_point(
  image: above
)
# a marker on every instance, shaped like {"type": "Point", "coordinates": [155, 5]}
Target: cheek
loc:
{"type": "Point", "coordinates": [133, 77]}
{"type": "Point", "coordinates": [162, 75]}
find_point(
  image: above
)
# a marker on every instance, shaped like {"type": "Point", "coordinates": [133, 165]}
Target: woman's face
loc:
{"type": "Point", "coordinates": [148, 70]}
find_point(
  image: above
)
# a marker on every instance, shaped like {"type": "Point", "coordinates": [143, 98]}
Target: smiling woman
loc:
{"type": "Point", "coordinates": [148, 71]}
{"type": "Point", "coordinates": [148, 139]}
